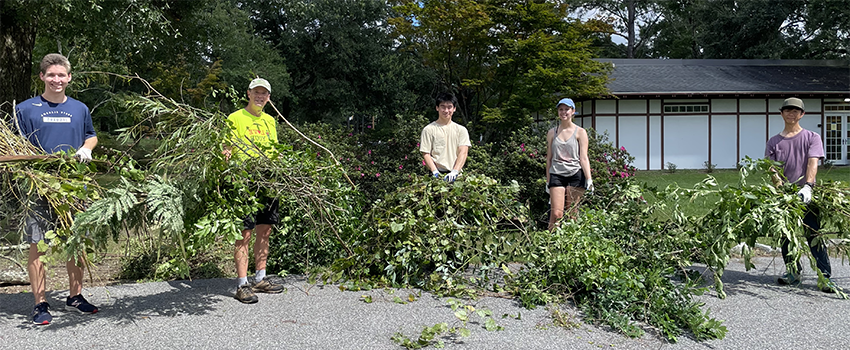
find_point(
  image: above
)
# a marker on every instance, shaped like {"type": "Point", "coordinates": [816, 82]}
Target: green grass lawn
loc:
{"type": "Point", "coordinates": [688, 178]}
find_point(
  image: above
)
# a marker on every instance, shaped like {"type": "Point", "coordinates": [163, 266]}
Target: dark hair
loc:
{"type": "Point", "coordinates": [446, 97]}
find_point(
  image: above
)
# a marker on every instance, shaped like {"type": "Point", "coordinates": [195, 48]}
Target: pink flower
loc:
{"type": "Point", "coordinates": [373, 162]}
{"type": "Point", "coordinates": [362, 174]}
{"type": "Point", "coordinates": [370, 152]}
{"type": "Point", "coordinates": [423, 162]}
{"type": "Point", "coordinates": [377, 175]}
{"type": "Point", "coordinates": [622, 148]}
{"type": "Point", "coordinates": [417, 144]}
{"type": "Point", "coordinates": [320, 136]}
{"type": "Point", "coordinates": [349, 134]}
{"type": "Point", "coordinates": [368, 126]}
{"type": "Point", "coordinates": [405, 157]}
{"type": "Point", "coordinates": [399, 167]}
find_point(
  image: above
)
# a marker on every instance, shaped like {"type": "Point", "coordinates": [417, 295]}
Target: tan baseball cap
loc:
{"type": "Point", "coordinates": [260, 82]}
{"type": "Point", "coordinates": [793, 102]}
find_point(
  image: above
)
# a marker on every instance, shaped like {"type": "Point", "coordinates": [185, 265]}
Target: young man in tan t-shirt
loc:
{"type": "Point", "coordinates": [445, 144]}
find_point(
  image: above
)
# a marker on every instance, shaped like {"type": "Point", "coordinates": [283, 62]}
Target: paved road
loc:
{"type": "Point", "coordinates": [202, 314]}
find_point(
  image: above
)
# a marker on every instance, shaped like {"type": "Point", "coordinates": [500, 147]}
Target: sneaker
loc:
{"type": "Point", "coordinates": [266, 286]}
{"type": "Point", "coordinates": [829, 286]}
{"type": "Point", "coordinates": [40, 315]}
{"type": "Point", "coordinates": [80, 304]}
{"type": "Point", "coordinates": [245, 294]}
{"type": "Point", "coordinates": [789, 279]}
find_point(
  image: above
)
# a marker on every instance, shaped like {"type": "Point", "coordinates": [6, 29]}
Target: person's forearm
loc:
{"type": "Point", "coordinates": [429, 162]}
{"type": "Point", "coordinates": [585, 166]}
{"type": "Point", "coordinates": [90, 142]}
{"type": "Point", "coordinates": [462, 153]}
{"type": "Point", "coordinates": [812, 170]}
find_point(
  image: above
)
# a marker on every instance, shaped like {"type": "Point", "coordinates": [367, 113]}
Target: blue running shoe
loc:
{"type": "Point", "coordinates": [40, 315]}
{"type": "Point", "coordinates": [790, 279]}
{"type": "Point", "coordinates": [81, 304]}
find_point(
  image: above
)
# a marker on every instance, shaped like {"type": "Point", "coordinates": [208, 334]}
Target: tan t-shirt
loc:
{"type": "Point", "coordinates": [442, 141]}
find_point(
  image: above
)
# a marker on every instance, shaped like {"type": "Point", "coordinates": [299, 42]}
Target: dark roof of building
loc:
{"type": "Point", "coordinates": [656, 76]}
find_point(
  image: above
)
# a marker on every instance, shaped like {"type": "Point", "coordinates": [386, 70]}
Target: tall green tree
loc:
{"type": "Point", "coordinates": [504, 59]}
{"type": "Point", "coordinates": [755, 29]}
{"type": "Point", "coordinates": [625, 17]}
{"type": "Point", "coordinates": [820, 29]}
{"type": "Point", "coordinates": [342, 62]}
{"type": "Point", "coordinates": [95, 30]}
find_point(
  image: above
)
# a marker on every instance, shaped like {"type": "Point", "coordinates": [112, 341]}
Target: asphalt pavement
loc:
{"type": "Point", "coordinates": [202, 314]}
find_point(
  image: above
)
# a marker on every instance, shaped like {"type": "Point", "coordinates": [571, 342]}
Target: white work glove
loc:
{"type": "Point", "coordinates": [450, 177]}
{"type": "Point", "coordinates": [588, 185]}
{"type": "Point", "coordinates": [805, 194]}
{"type": "Point", "coordinates": [84, 154]}
{"type": "Point", "coordinates": [436, 174]}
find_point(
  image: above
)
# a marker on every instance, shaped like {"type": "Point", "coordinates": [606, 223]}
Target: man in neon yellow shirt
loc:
{"type": "Point", "coordinates": [252, 131]}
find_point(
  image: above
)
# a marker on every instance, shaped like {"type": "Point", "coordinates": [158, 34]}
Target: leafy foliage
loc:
{"type": "Point", "coordinates": [755, 209]}
{"type": "Point", "coordinates": [503, 59]}
{"type": "Point", "coordinates": [616, 264]}
{"type": "Point", "coordinates": [428, 233]}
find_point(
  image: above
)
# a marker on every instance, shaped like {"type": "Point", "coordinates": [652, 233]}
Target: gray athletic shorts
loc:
{"type": "Point", "coordinates": [40, 219]}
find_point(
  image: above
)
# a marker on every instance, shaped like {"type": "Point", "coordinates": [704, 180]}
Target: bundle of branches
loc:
{"type": "Point", "coordinates": [429, 233]}
{"type": "Point", "coordinates": [192, 196]}
{"type": "Point", "coordinates": [30, 177]}
{"type": "Point", "coordinates": [759, 209]}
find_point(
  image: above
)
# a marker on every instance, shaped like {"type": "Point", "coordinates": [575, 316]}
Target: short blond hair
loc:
{"type": "Point", "coordinates": [53, 59]}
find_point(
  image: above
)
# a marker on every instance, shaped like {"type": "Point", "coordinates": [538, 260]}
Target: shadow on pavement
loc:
{"type": "Point", "coordinates": [181, 298]}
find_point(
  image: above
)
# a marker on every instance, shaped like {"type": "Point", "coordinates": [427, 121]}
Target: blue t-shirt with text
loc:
{"type": "Point", "coordinates": [55, 127]}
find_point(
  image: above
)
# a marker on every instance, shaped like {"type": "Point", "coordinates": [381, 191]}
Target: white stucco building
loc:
{"type": "Point", "coordinates": [687, 112]}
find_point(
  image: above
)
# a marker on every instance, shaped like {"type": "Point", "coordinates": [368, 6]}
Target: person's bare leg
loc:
{"type": "Point", "coordinates": [573, 195]}
{"type": "Point", "coordinates": [556, 200]}
{"type": "Point", "coordinates": [240, 255]}
{"type": "Point", "coordinates": [75, 277]}
{"type": "Point", "coordinates": [35, 269]}
{"type": "Point", "coordinates": [261, 246]}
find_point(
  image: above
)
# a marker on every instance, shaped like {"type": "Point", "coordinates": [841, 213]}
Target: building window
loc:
{"type": "Point", "coordinates": [837, 108]}
{"type": "Point", "coordinates": [686, 109]}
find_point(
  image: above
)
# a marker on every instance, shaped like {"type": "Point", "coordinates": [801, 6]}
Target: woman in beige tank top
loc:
{"type": "Point", "coordinates": [567, 166]}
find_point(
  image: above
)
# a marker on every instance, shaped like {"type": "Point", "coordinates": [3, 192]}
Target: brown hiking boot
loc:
{"type": "Point", "coordinates": [266, 286]}
{"type": "Point", "coordinates": [245, 294]}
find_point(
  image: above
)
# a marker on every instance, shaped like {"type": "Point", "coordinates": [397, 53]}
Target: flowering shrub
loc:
{"type": "Point", "coordinates": [386, 157]}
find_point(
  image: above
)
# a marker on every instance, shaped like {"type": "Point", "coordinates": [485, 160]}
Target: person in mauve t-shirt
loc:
{"type": "Point", "coordinates": [800, 150]}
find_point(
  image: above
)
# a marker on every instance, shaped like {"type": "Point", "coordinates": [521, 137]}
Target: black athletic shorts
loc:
{"type": "Point", "coordinates": [574, 180]}
{"type": "Point", "coordinates": [268, 215]}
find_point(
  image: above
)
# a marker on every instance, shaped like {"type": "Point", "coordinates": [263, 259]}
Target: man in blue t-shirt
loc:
{"type": "Point", "coordinates": [55, 123]}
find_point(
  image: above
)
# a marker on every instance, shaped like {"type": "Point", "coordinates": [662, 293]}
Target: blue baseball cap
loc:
{"type": "Point", "coordinates": [566, 101]}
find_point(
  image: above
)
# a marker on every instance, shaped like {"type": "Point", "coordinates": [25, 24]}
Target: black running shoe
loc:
{"type": "Point", "coordinates": [81, 304]}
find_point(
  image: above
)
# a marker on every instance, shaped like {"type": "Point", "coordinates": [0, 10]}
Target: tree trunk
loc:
{"type": "Point", "coordinates": [18, 26]}
{"type": "Point", "coordinates": [630, 50]}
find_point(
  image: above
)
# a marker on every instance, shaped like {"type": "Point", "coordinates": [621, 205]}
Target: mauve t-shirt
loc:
{"type": "Point", "coordinates": [795, 152]}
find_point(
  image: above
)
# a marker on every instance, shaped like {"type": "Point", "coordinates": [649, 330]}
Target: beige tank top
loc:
{"type": "Point", "coordinates": [565, 158]}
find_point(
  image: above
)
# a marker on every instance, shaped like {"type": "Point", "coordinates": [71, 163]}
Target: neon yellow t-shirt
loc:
{"type": "Point", "coordinates": [250, 133]}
